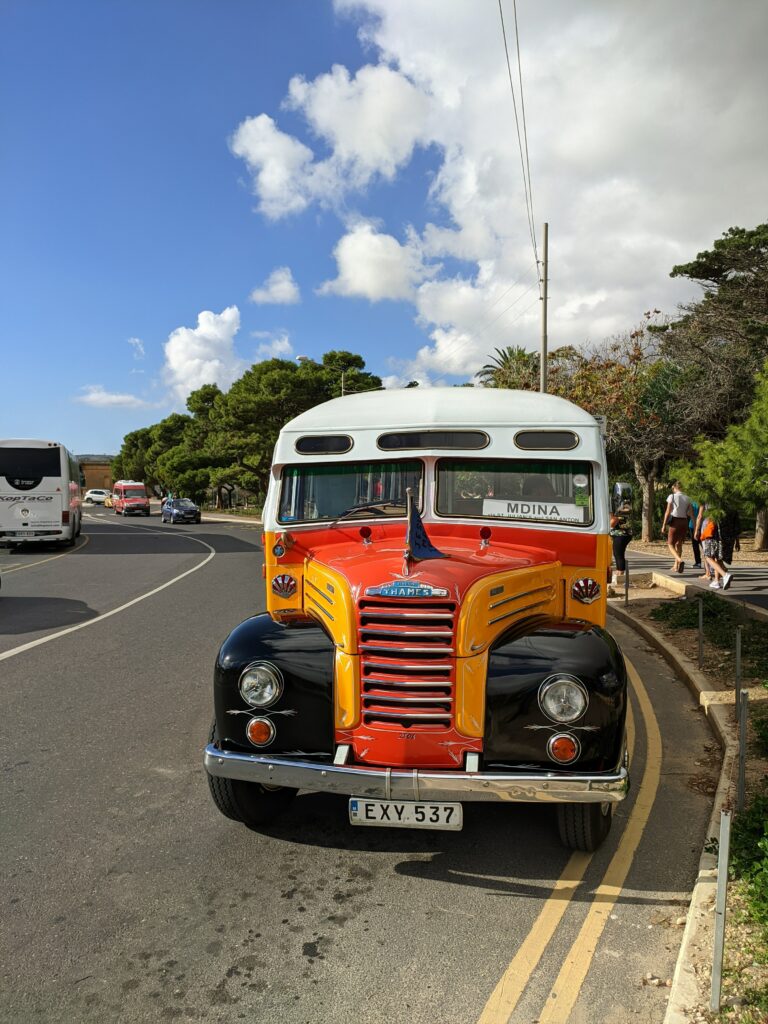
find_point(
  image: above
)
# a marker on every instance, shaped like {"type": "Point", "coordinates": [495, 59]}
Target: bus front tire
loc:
{"type": "Point", "coordinates": [248, 802]}
{"type": "Point", "coordinates": [584, 826]}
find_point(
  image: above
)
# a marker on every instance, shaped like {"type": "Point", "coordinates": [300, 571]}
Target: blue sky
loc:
{"type": "Point", "coordinates": [188, 186]}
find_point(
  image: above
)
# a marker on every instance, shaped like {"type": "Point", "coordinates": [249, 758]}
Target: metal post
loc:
{"type": "Point", "coordinates": [722, 890]}
{"type": "Point", "coordinates": [701, 631]}
{"type": "Point", "coordinates": [543, 366]}
{"type": "Point", "coordinates": [741, 786]}
{"type": "Point", "coordinates": [626, 583]}
{"type": "Point", "coordinates": [738, 664]}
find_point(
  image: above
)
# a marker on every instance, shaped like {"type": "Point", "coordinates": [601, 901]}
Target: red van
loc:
{"type": "Point", "coordinates": [129, 498]}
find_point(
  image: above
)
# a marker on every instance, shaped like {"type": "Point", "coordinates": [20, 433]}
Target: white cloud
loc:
{"type": "Point", "coordinates": [643, 150]}
{"type": "Point", "coordinates": [278, 164]}
{"type": "Point", "coordinates": [138, 347]}
{"type": "Point", "coordinates": [277, 348]}
{"type": "Point", "coordinates": [279, 288]}
{"type": "Point", "coordinates": [204, 354]}
{"type": "Point", "coordinates": [371, 121]}
{"type": "Point", "coordinates": [95, 395]}
{"type": "Point", "coordinates": [375, 266]}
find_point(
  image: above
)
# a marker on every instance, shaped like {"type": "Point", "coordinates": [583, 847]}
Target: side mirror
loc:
{"type": "Point", "coordinates": [621, 497]}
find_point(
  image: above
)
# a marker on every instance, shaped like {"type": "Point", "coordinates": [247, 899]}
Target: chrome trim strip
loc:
{"type": "Point", "coordinates": [320, 607]}
{"type": "Point", "coordinates": [395, 614]}
{"type": "Point", "coordinates": [386, 633]}
{"type": "Point", "coordinates": [399, 783]}
{"type": "Point", "coordinates": [426, 666]}
{"type": "Point", "coordinates": [428, 684]}
{"type": "Point", "coordinates": [517, 597]}
{"type": "Point", "coordinates": [319, 591]}
{"type": "Point", "coordinates": [390, 699]}
{"type": "Point", "coordinates": [516, 611]}
{"type": "Point", "coordinates": [429, 716]}
{"type": "Point", "coordinates": [397, 651]}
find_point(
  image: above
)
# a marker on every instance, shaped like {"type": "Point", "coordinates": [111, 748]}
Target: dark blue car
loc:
{"type": "Point", "coordinates": [180, 510]}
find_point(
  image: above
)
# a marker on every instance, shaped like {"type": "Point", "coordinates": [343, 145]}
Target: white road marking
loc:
{"type": "Point", "coordinates": [115, 611]}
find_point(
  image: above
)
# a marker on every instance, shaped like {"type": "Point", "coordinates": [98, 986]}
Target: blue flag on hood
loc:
{"type": "Point", "coordinates": [418, 546]}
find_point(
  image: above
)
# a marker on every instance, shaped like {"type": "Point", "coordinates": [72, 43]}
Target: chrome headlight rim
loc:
{"type": "Point", "coordinates": [276, 676]}
{"type": "Point", "coordinates": [560, 677]}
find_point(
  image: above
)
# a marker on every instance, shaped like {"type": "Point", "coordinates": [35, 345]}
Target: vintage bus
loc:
{"type": "Point", "coordinates": [436, 566]}
{"type": "Point", "coordinates": [39, 493]}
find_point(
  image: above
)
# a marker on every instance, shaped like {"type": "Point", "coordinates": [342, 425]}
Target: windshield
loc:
{"type": "Point", "coordinates": [328, 491]}
{"type": "Point", "coordinates": [541, 490]}
{"type": "Point", "coordinates": [183, 503]}
{"type": "Point", "coordinates": [24, 468]}
{"type": "Point", "coordinates": [134, 492]}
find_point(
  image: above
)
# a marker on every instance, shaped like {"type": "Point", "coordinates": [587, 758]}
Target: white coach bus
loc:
{"type": "Point", "coordinates": [39, 493]}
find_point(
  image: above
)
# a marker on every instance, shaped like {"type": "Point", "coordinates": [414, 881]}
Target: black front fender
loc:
{"type": "Point", "coordinates": [303, 715]}
{"type": "Point", "coordinates": [517, 730]}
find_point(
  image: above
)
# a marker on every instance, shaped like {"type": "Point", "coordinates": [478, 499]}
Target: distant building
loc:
{"type": "Point", "coordinates": [96, 470]}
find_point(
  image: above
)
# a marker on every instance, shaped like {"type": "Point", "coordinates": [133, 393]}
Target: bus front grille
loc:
{"type": "Point", "coordinates": [407, 650]}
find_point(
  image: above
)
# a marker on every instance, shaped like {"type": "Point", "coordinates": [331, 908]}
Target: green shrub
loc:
{"type": "Point", "coordinates": [760, 726]}
{"type": "Point", "coordinates": [749, 856]}
{"type": "Point", "coordinates": [720, 621]}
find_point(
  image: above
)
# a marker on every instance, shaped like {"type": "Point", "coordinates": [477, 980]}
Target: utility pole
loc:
{"type": "Point", "coordinates": [342, 383]}
{"type": "Point", "coordinates": [545, 272]}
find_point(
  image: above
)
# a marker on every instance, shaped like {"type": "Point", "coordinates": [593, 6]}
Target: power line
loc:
{"type": "Point", "coordinates": [524, 162]}
{"type": "Point", "coordinates": [518, 317]}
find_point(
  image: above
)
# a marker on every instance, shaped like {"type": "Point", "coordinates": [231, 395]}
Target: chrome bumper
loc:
{"type": "Point", "coordinates": [418, 784]}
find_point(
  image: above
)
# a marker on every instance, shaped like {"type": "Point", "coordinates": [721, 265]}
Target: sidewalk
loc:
{"type": "Point", "coordinates": [749, 585]}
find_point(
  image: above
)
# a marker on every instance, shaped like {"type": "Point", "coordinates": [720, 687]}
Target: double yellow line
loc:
{"type": "Point", "coordinates": [563, 995]}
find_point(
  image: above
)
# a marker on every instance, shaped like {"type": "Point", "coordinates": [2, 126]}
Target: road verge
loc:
{"type": "Point", "coordinates": [691, 980]}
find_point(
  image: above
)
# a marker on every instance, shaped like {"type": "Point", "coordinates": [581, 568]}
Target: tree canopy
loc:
{"type": "Point", "coordinates": [226, 439]}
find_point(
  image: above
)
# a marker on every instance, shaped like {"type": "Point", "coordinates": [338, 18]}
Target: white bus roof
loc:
{"type": "Point", "coordinates": [29, 442]}
{"type": "Point", "coordinates": [419, 408]}
{"type": "Point", "coordinates": [500, 412]}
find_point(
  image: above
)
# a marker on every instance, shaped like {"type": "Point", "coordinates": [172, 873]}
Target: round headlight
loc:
{"type": "Point", "coordinates": [563, 698]}
{"type": "Point", "coordinates": [261, 684]}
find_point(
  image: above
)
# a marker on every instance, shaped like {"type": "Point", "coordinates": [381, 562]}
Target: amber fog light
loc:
{"type": "Point", "coordinates": [260, 731]}
{"type": "Point", "coordinates": [563, 748]}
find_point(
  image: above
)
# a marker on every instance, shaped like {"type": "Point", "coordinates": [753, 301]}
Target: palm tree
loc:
{"type": "Point", "coordinates": [511, 367]}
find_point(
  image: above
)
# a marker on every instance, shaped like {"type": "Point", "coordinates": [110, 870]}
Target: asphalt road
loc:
{"type": "Point", "coordinates": [126, 897]}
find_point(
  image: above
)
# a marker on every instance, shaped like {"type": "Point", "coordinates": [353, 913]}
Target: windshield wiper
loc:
{"type": "Point", "coordinates": [370, 507]}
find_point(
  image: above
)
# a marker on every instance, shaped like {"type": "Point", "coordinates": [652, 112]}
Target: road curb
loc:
{"type": "Point", "coordinates": [690, 982]}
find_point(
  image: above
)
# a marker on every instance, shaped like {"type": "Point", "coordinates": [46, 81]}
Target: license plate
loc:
{"type": "Point", "coordinates": [405, 814]}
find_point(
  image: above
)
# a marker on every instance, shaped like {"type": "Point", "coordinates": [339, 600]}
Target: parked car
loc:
{"type": "Point", "coordinates": [180, 510]}
{"type": "Point", "coordinates": [436, 572]}
{"type": "Point", "coordinates": [96, 496]}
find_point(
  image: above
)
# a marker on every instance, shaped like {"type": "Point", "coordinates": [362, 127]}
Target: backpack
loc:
{"type": "Point", "coordinates": [708, 529]}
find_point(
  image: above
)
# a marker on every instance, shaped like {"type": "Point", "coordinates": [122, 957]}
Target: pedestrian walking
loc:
{"type": "Point", "coordinates": [695, 542]}
{"type": "Point", "coordinates": [676, 516]}
{"type": "Point", "coordinates": [730, 528]}
{"type": "Point", "coordinates": [621, 527]}
{"type": "Point", "coordinates": [710, 536]}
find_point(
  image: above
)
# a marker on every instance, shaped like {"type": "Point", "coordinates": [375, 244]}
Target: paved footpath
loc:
{"type": "Point", "coordinates": [750, 582]}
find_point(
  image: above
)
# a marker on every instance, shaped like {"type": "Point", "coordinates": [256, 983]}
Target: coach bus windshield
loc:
{"type": "Point", "coordinates": [330, 490]}
{"type": "Point", "coordinates": [24, 468]}
{"type": "Point", "coordinates": [541, 490]}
